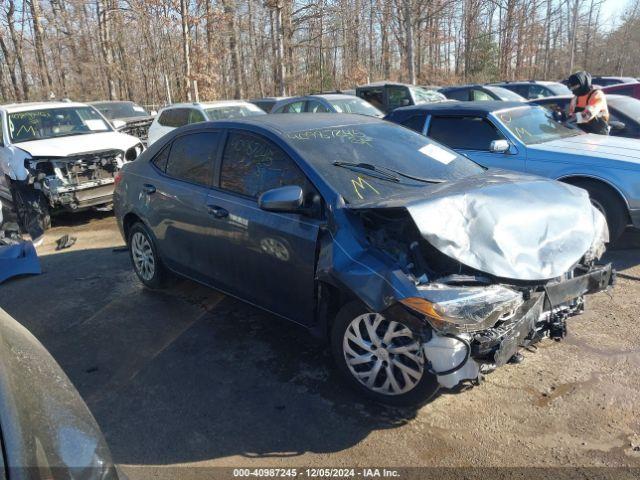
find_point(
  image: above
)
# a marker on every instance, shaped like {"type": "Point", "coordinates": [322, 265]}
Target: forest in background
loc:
{"type": "Point", "coordinates": [156, 51]}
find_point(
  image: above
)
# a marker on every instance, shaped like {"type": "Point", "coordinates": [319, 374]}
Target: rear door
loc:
{"type": "Point", "coordinates": [176, 201]}
{"type": "Point", "coordinates": [472, 136]}
{"type": "Point", "coordinates": [266, 258]}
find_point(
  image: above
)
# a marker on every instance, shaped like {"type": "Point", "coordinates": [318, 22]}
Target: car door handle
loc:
{"type": "Point", "coordinates": [148, 188]}
{"type": "Point", "coordinates": [217, 212]}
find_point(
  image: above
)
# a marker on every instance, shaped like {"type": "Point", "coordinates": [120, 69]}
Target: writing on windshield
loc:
{"type": "Point", "coordinates": [534, 125]}
{"type": "Point", "coordinates": [54, 122]}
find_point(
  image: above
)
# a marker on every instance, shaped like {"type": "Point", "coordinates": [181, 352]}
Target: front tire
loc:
{"type": "Point", "coordinates": [144, 257]}
{"type": "Point", "coordinates": [609, 203]}
{"type": "Point", "coordinates": [381, 357]}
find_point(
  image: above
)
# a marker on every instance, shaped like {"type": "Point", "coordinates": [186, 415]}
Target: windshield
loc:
{"type": "Point", "coordinates": [626, 105]}
{"type": "Point", "coordinates": [55, 122]}
{"type": "Point", "coordinates": [114, 110]}
{"type": "Point", "coordinates": [335, 153]}
{"type": "Point", "coordinates": [534, 125]}
{"type": "Point", "coordinates": [355, 105]}
{"type": "Point", "coordinates": [505, 94]}
{"type": "Point", "coordinates": [420, 95]}
{"type": "Point", "coordinates": [559, 89]}
{"type": "Point", "coordinates": [233, 111]}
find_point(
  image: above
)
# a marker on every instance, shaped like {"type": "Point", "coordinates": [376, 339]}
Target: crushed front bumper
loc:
{"type": "Point", "coordinates": [455, 358]}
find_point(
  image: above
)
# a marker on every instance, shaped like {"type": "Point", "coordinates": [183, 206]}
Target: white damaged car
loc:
{"type": "Point", "coordinates": [59, 156]}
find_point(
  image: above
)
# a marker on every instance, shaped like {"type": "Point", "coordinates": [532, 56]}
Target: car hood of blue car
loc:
{"type": "Point", "coordinates": [589, 147]}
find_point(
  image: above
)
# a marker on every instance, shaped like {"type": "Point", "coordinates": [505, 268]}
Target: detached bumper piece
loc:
{"type": "Point", "coordinates": [455, 358]}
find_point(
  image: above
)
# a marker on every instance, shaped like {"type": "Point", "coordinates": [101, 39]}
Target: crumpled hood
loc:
{"type": "Point", "coordinates": [77, 144]}
{"type": "Point", "coordinates": [511, 225]}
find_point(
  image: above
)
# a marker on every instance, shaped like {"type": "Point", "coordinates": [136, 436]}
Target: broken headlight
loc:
{"type": "Point", "coordinates": [451, 309]}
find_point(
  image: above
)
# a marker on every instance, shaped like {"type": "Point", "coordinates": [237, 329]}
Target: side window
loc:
{"type": "Point", "coordinates": [252, 165]}
{"type": "Point", "coordinates": [1, 130]}
{"type": "Point", "coordinates": [166, 118]}
{"type": "Point", "coordinates": [522, 90]}
{"type": "Point", "coordinates": [160, 160]}
{"type": "Point", "coordinates": [192, 157]}
{"type": "Point", "coordinates": [399, 97]}
{"type": "Point", "coordinates": [181, 117]}
{"type": "Point", "coordinates": [478, 133]}
{"type": "Point", "coordinates": [538, 91]}
{"type": "Point", "coordinates": [462, 95]}
{"type": "Point", "coordinates": [314, 106]}
{"type": "Point", "coordinates": [295, 107]}
{"type": "Point", "coordinates": [196, 116]}
{"type": "Point", "coordinates": [481, 95]}
{"type": "Point", "coordinates": [375, 96]}
{"type": "Point", "coordinates": [415, 122]}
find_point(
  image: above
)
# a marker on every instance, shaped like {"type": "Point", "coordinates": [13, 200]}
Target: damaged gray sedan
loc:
{"type": "Point", "coordinates": [421, 268]}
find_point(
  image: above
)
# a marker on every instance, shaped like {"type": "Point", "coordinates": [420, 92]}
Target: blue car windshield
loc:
{"type": "Point", "coordinates": [533, 125]}
{"type": "Point", "coordinates": [402, 160]}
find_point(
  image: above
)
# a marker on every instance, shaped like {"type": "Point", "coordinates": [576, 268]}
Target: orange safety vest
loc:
{"type": "Point", "coordinates": [594, 101]}
{"type": "Point", "coordinates": [596, 104]}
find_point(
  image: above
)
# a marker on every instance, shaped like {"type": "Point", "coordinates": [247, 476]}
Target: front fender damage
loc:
{"type": "Point", "coordinates": [382, 260]}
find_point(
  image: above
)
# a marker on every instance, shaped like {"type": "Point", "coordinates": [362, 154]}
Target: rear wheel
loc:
{"type": "Point", "coordinates": [609, 203]}
{"type": "Point", "coordinates": [381, 357]}
{"type": "Point", "coordinates": [32, 209]}
{"type": "Point", "coordinates": [144, 257]}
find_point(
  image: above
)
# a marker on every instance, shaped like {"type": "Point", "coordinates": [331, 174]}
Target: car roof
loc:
{"type": "Point", "coordinates": [216, 103]}
{"type": "Point", "coordinates": [28, 106]}
{"type": "Point", "coordinates": [382, 83]}
{"type": "Point", "coordinates": [469, 108]}
{"type": "Point", "coordinates": [325, 96]}
{"type": "Point", "coordinates": [461, 87]}
{"type": "Point", "coordinates": [290, 122]}
{"type": "Point", "coordinates": [104, 102]}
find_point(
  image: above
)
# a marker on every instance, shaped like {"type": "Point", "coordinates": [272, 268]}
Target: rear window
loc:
{"type": "Point", "coordinates": [174, 117]}
{"type": "Point", "coordinates": [233, 111]}
{"type": "Point", "coordinates": [192, 157]}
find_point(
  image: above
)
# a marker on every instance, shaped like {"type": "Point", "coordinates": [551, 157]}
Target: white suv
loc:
{"type": "Point", "coordinates": [59, 156]}
{"type": "Point", "coordinates": [181, 114]}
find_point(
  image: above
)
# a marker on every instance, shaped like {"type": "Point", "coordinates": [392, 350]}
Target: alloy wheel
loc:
{"type": "Point", "coordinates": [142, 255]}
{"type": "Point", "coordinates": [383, 355]}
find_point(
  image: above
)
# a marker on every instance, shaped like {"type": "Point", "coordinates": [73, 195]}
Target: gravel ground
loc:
{"type": "Point", "coordinates": [190, 377]}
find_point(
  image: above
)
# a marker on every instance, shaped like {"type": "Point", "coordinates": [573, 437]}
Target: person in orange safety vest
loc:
{"type": "Point", "coordinates": [589, 105]}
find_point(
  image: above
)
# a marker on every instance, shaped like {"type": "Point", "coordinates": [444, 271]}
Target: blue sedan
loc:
{"type": "Point", "coordinates": [399, 252]}
{"type": "Point", "coordinates": [518, 136]}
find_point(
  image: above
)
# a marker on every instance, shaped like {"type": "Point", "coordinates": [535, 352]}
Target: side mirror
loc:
{"type": "Point", "coordinates": [153, 113]}
{"type": "Point", "coordinates": [617, 125]}
{"type": "Point", "coordinates": [286, 199]}
{"type": "Point", "coordinates": [118, 124]}
{"type": "Point", "coordinates": [405, 102]}
{"type": "Point", "coordinates": [499, 146]}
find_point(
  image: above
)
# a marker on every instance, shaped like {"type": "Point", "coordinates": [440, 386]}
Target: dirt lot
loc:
{"type": "Point", "coordinates": [190, 377]}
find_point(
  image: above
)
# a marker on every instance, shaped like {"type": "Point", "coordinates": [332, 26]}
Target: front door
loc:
{"type": "Point", "coordinates": [268, 258]}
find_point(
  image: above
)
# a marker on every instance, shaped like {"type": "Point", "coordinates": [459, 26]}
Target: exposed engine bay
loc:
{"type": "Point", "coordinates": [472, 321]}
{"type": "Point", "coordinates": [74, 182]}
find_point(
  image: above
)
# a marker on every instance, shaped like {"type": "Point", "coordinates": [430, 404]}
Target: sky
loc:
{"type": "Point", "coordinates": [612, 10]}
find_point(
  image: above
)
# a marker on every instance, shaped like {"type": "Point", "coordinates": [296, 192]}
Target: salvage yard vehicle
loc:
{"type": "Point", "coordinates": [59, 156]}
{"type": "Point", "coordinates": [400, 252]}
{"type": "Point", "coordinates": [126, 117]}
{"type": "Point", "coordinates": [180, 114]}
{"type": "Point", "coordinates": [386, 96]}
{"type": "Point", "coordinates": [526, 138]}
{"type": "Point", "coordinates": [535, 89]}
{"type": "Point", "coordinates": [46, 429]}
{"type": "Point", "coordinates": [477, 92]}
{"type": "Point", "coordinates": [327, 103]}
